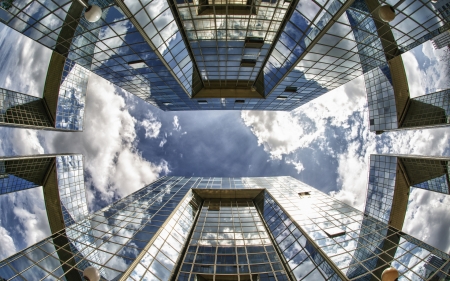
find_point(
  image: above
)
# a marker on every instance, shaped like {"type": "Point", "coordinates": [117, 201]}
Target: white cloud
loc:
{"type": "Point", "coordinates": [163, 141]}
{"type": "Point", "coordinates": [430, 209]}
{"type": "Point", "coordinates": [413, 74]}
{"type": "Point", "coordinates": [108, 144]}
{"type": "Point", "coordinates": [8, 248]}
{"type": "Point", "coordinates": [151, 126]}
{"type": "Point", "coordinates": [430, 76]}
{"type": "Point", "coordinates": [345, 108]}
{"type": "Point", "coordinates": [29, 222]}
{"type": "Point", "coordinates": [297, 165]}
{"type": "Point", "coordinates": [20, 142]}
{"type": "Point", "coordinates": [108, 39]}
{"type": "Point", "coordinates": [24, 63]}
{"type": "Point", "coordinates": [284, 132]}
{"type": "Point", "coordinates": [176, 123]}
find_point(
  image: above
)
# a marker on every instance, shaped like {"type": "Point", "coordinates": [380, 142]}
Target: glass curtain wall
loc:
{"type": "Point", "coordinates": [230, 242]}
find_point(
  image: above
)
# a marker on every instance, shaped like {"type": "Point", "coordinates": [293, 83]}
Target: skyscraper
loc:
{"type": "Point", "coordinates": [271, 228]}
{"type": "Point", "coordinates": [264, 55]}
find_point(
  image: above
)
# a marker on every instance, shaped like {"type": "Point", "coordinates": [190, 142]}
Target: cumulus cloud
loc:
{"type": "Point", "coordinates": [8, 248]}
{"type": "Point", "coordinates": [413, 74]}
{"type": "Point", "coordinates": [426, 69]}
{"type": "Point", "coordinates": [435, 73]}
{"type": "Point", "coordinates": [163, 141]}
{"type": "Point", "coordinates": [337, 124]}
{"type": "Point", "coordinates": [26, 220]}
{"type": "Point", "coordinates": [19, 142]}
{"type": "Point", "coordinates": [25, 61]}
{"type": "Point", "coordinates": [429, 209]}
{"type": "Point", "coordinates": [283, 132]}
{"type": "Point", "coordinates": [108, 144]}
{"type": "Point", "coordinates": [151, 125]}
{"type": "Point", "coordinates": [176, 123]}
{"type": "Point", "coordinates": [297, 165]}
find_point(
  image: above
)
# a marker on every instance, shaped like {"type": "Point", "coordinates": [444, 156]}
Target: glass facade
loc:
{"type": "Point", "coordinates": [71, 97]}
{"type": "Point", "coordinates": [274, 228]}
{"type": "Point", "coordinates": [230, 240]}
{"type": "Point", "coordinates": [391, 174]}
{"type": "Point", "coordinates": [193, 55]}
{"type": "Point", "coordinates": [20, 174]}
{"type": "Point", "coordinates": [428, 110]}
{"type": "Point", "coordinates": [23, 110]}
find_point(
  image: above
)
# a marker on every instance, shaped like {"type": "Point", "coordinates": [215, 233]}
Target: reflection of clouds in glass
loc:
{"type": "Point", "coordinates": [108, 39]}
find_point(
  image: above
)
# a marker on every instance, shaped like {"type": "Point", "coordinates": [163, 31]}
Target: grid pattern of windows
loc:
{"type": "Point", "coordinates": [158, 23]}
{"type": "Point", "coordinates": [438, 184]}
{"type": "Point", "coordinates": [381, 99]}
{"type": "Point", "coordinates": [318, 237]}
{"type": "Point", "coordinates": [426, 110]}
{"type": "Point", "coordinates": [111, 238]}
{"type": "Point", "coordinates": [72, 192]}
{"type": "Point", "coordinates": [379, 245]}
{"type": "Point", "coordinates": [370, 48]}
{"type": "Point", "coordinates": [218, 40]}
{"type": "Point", "coordinates": [36, 262]}
{"type": "Point", "coordinates": [40, 20]}
{"type": "Point", "coordinates": [116, 45]}
{"type": "Point", "coordinates": [305, 24]}
{"type": "Point", "coordinates": [20, 174]}
{"type": "Point", "coordinates": [23, 110]}
{"type": "Point", "coordinates": [380, 192]}
{"type": "Point", "coordinates": [427, 173]}
{"type": "Point", "coordinates": [413, 20]}
{"type": "Point", "coordinates": [230, 240]}
{"type": "Point", "coordinates": [105, 47]}
{"type": "Point", "coordinates": [158, 261]}
{"type": "Point", "coordinates": [72, 97]}
{"type": "Point", "coordinates": [317, 213]}
{"type": "Point", "coordinates": [304, 261]}
{"type": "Point", "coordinates": [415, 23]}
{"type": "Point", "coordinates": [332, 61]}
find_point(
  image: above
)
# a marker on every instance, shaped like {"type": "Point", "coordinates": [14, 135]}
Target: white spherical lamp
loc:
{"type": "Point", "coordinates": [386, 13]}
{"type": "Point", "coordinates": [389, 274]}
{"type": "Point", "coordinates": [93, 13]}
{"type": "Point", "coordinates": [91, 274]}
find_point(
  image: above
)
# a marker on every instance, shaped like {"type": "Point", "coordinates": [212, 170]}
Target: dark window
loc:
{"type": "Point", "coordinates": [248, 62]}
{"type": "Point", "coordinates": [254, 42]}
{"type": "Point", "coordinates": [290, 89]}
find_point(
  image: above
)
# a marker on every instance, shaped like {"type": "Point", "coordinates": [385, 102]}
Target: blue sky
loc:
{"type": "Point", "coordinates": [128, 143]}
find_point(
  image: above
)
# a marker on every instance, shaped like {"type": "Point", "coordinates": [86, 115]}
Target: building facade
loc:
{"type": "Point", "coordinates": [194, 55]}
{"type": "Point", "coordinates": [271, 228]}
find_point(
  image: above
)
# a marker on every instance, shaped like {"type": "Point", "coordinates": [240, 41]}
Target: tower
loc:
{"type": "Point", "coordinates": [262, 55]}
{"type": "Point", "coordinates": [271, 228]}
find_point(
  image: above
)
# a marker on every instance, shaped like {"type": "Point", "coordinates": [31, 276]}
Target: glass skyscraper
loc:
{"type": "Point", "coordinates": [270, 228]}
{"type": "Point", "coordinates": [255, 54]}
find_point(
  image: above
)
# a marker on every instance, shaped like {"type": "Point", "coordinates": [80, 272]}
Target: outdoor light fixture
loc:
{"type": "Point", "coordinates": [91, 274]}
{"type": "Point", "coordinates": [386, 13]}
{"type": "Point", "coordinates": [93, 13]}
{"type": "Point", "coordinates": [434, 1]}
{"type": "Point", "coordinates": [389, 274]}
